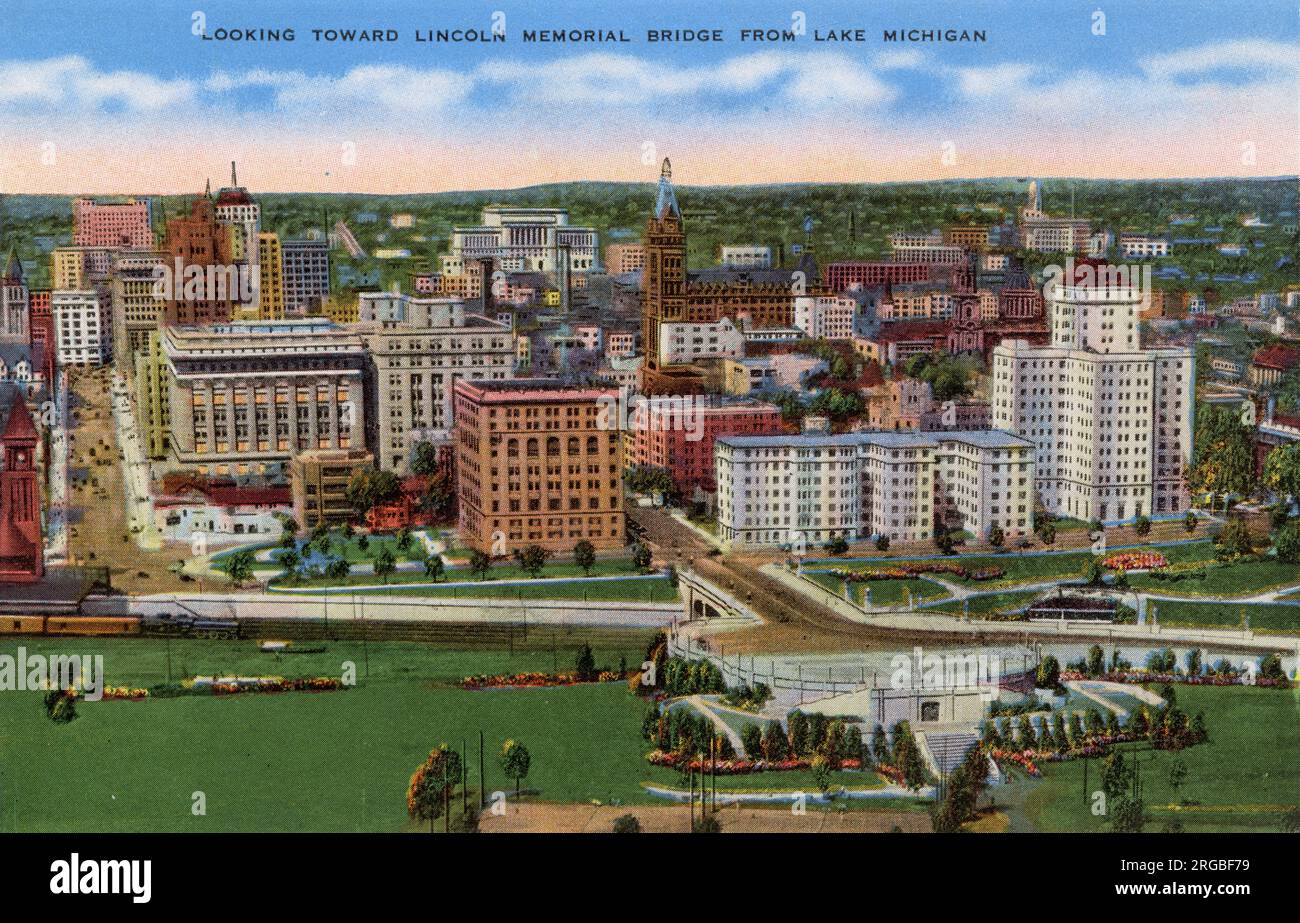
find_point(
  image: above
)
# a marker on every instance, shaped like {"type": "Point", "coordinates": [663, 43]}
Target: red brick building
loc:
{"type": "Point", "coordinates": [22, 549]}
{"type": "Point", "coordinates": [677, 434]}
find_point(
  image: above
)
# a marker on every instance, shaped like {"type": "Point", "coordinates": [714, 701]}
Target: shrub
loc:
{"type": "Point", "coordinates": [627, 823]}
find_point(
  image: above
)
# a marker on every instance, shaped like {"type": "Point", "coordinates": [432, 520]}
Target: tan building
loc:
{"type": "Point", "coordinates": [622, 258]}
{"type": "Point", "coordinates": [270, 292]}
{"type": "Point", "coordinates": [246, 397]}
{"type": "Point", "coordinates": [137, 306]}
{"type": "Point", "coordinates": [538, 463]}
{"type": "Point", "coordinates": [415, 356]}
{"type": "Point", "coordinates": [319, 483]}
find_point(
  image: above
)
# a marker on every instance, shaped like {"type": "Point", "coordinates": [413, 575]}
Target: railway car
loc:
{"type": "Point", "coordinates": [22, 625]}
{"type": "Point", "coordinates": [92, 625]}
{"type": "Point", "coordinates": [181, 625]}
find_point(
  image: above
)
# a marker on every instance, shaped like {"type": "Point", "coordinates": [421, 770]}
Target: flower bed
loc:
{"type": "Point", "coordinates": [736, 766]}
{"type": "Point", "coordinates": [538, 680]}
{"type": "Point", "coordinates": [1135, 560]}
{"type": "Point", "coordinates": [1137, 677]}
{"type": "Point", "coordinates": [909, 571]}
{"type": "Point", "coordinates": [1022, 758]}
{"type": "Point", "coordinates": [277, 684]}
{"type": "Point", "coordinates": [125, 693]}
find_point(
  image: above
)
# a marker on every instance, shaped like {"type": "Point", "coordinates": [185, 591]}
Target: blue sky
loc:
{"type": "Point", "coordinates": [132, 96]}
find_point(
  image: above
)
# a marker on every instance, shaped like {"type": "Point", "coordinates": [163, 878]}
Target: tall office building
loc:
{"type": "Point", "coordinates": [306, 269]}
{"type": "Point", "coordinates": [121, 225]}
{"type": "Point", "coordinates": [270, 265]}
{"type": "Point", "coordinates": [1111, 421]}
{"type": "Point", "coordinates": [200, 240]}
{"type": "Point", "coordinates": [415, 356]}
{"type": "Point", "coordinates": [539, 463]}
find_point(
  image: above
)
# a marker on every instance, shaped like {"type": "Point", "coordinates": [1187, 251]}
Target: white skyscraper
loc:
{"type": "Point", "coordinates": [1111, 422]}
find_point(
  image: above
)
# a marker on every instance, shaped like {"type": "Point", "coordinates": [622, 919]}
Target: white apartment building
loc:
{"type": "Point", "coordinates": [1141, 245]}
{"type": "Point", "coordinates": [781, 489]}
{"type": "Point", "coordinates": [523, 240]}
{"type": "Point", "coordinates": [683, 343]}
{"type": "Point", "coordinates": [1111, 422]}
{"type": "Point", "coordinates": [825, 317]}
{"type": "Point", "coordinates": [83, 326]}
{"type": "Point", "coordinates": [745, 256]}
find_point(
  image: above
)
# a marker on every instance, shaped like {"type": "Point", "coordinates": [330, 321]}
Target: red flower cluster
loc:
{"type": "Point", "coordinates": [1022, 758]}
{"type": "Point", "coordinates": [734, 767]}
{"type": "Point", "coordinates": [299, 684]}
{"type": "Point", "coordinates": [1135, 560]}
{"type": "Point", "coordinates": [534, 680]}
{"type": "Point", "coordinates": [907, 571]}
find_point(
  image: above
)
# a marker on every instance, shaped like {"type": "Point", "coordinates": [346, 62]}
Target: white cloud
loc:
{"type": "Point", "coordinates": [71, 82]}
{"type": "Point", "coordinates": [1252, 55]}
{"type": "Point", "coordinates": [993, 80]}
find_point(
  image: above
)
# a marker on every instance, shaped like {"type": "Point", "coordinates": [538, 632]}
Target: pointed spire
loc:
{"type": "Point", "coordinates": [666, 201]}
{"type": "Point", "coordinates": [207, 189]}
{"type": "Point", "coordinates": [13, 266]}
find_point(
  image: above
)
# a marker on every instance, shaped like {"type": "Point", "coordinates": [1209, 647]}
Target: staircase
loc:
{"type": "Point", "coordinates": [944, 750]}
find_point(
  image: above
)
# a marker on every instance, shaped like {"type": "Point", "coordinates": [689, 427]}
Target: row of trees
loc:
{"type": "Point", "coordinates": [1167, 727]}
{"type": "Point", "coordinates": [433, 785]}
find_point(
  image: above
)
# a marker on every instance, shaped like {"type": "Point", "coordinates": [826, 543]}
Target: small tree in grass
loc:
{"type": "Point", "coordinates": [434, 568]}
{"type": "Point", "coordinates": [1189, 522]}
{"type": "Point", "coordinates": [239, 567]}
{"type": "Point", "coordinates": [1177, 776]}
{"type": "Point", "coordinates": [584, 555]}
{"type": "Point", "coordinates": [996, 537]}
{"type": "Point", "coordinates": [385, 563]}
{"type": "Point", "coordinates": [882, 543]}
{"type": "Point", "coordinates": [1047, 533]}
{"type": "Point", "coordinates": [1128, 816]}
{"type": "Point", "coordinates": [515, 761]}
{"type": "Point", "coordinates": [1142, 526]}
{"type": "Point", "coordinates": [480, 563]}
{"type": "Point", "coordinates": [532, 559]}
{"type": "Point", "coordinates": [433, 781]}
{"type": "Point", "coordinates": [820, 767]}
{"type": "Point", "coordinates": [338, 569]}
{"type": "Point", "coordinates": [403, 539]}
{"type": "Point", "coordinates": [641, 557]}
{"type": "Point", "coordinates": [585, 666]}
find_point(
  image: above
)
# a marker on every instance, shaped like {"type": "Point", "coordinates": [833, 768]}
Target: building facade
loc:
{"type": "Point", "coordinates": [538, 463]}
{"type": "Point", "coordinates": [83, 326]}
{"type": "Point", "coordinates": [121, 225]}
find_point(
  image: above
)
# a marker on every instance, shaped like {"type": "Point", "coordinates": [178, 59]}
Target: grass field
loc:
{"type": "Point", "coordinates": [1241, 579]}
{"type": "Point", "coordinates": [1276, 617]}
{"type": "Point", "coordinates": [883, 592]}
{"type": "Point", "coordinates": [985, 605]}
{"type": "Point", "coordinates": [300, 761]}
{"type": "Point", "coordinates": [1242, 779]}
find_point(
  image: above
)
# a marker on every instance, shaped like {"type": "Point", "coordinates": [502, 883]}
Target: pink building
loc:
{"type": "Point", "coordinates": [125, 225]}
{"type": "Point", "coordinates": [677, 433]}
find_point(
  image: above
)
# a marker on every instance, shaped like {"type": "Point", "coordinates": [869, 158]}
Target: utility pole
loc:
{"type": "Point", "coordinates": [481, 787]}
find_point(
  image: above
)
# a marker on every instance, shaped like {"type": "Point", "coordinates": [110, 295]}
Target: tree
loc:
{"type": "Point", "coordinates": [996, 536]}
{"type": "Point", "coordinates": [821, 772]}
{"type": "Point", "coordinates": [837, 546]}
{"type": "Point", "coordinates": [584, 556]}
{"type": "Point", "coordinates": [775, 745]}
{"type": "Point", "coordinates": [403, 539]}
{"type": "Point", "coordinates": [239, 567]}
{"type": "Point", "coordinates": [585, 665]}
{"type": "Point", "coordinates": [1282, 470]}
{"type": "Point", "coordinates": [433, 567]}
{"type": "Point", "coordinates": [797, 722]}
{"type": "Point", "coordinates": [1048, 675]}
{"type": "Point", "coordinates": [1193, 660]}
{"type": "Point", "coordinates": [363, 542]}
{"type": "Point", "coordinates": [641, 557]}
{"type": "Point", "coordinates": [61, 705]}
{"type": "Point", "coordinates": [338, 569]}
{"type": "Point", "coordinates": [1096, 661]}
{"type": "Point", "coordinates": [1177, 776]}
{"type": "Point", "coordinates": [1093, 572]}
{"type": "Point", "coordinates": [371, 487]}
{"type": "Point", "coordinates": [1235, 540]}
{"type": "Point", "coordinates": [1047, 532]}
{"type": "Point", "coordinates": [1287, 542]}
{"type": "Point", "coordinates": [1128, 816]}
{"type": "Point", "coordinates": [480, 563]}
{"type": "Point", "coordinates": [1222, 453]}
{"type": "Point", "coordinates": [627, 823]}
{"type": "Point", "coordinates": [1142, 525]}
{"type": "Point", "coordinates": [751, 737]}
{"type": "Point", "coordinates": [648, 479]}
{"type": "Point", "coordinates": [424, 460]}
{"type": "Point", "coordinates": [1189, 522]}
{"type": "Point", "coordinates": [882, 543]}
{"type": "Point", "coordinates": [385, 563]}
{"type": "Point", "coordinates": [439, 496]}
{"type": "Point", "coordinates": [515, 761]}
{"type": "Point", "coordinates": [289, 561]}
{"type": "Point", "coordinates": [1116, 776]}
{"type": "Point", "coordinates": [432, 783]}
{"type": "Point", "coordinates": [532, 559]}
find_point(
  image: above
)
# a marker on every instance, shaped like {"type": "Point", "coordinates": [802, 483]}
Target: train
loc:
{"type": "Point", "coordinates": [160, 625]}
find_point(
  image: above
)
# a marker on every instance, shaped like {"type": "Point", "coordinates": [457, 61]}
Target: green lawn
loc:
{"type": "Point", "coordinates": [1244, 777]}
{"type": "Point", "coordinates": [636, 589]}
{"type": "Point", "coordinates": [1263, 618]}
{"type": "Point", "coordinates": [984, 605]}
{"type": "Point", "coordinates": [883, 592]}
{"type": "Point", "coordinates": [334, 761]}
{"type": "Point", "coordinates": [1242, 579]}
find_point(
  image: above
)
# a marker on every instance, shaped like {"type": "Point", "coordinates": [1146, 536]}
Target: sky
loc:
{"type": "Point", "coordinates": [145, 97]}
